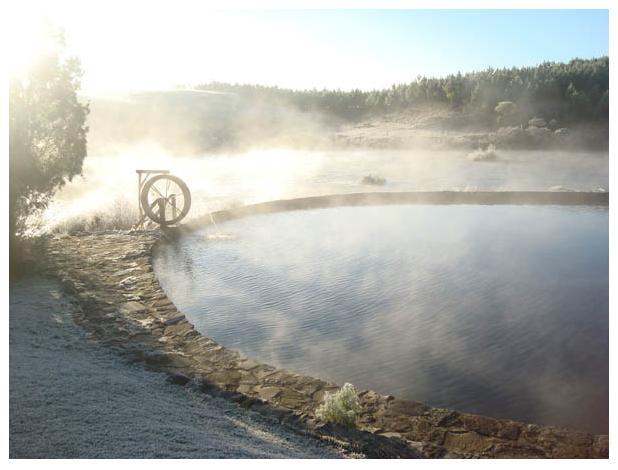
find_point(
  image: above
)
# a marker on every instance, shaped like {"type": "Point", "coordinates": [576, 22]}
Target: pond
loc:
{"type": "Point", "coordinates": [496, 310]}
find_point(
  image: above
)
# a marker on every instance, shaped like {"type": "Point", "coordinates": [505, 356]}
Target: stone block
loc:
{"type": "Point", "coordinates": [468, 442]}
{"type": "Point", "coordinates": [173, 320]}
{"type": "Point", "coordinates": [267, 393]}
{"type": "Point", "coordinates": [131, 307]}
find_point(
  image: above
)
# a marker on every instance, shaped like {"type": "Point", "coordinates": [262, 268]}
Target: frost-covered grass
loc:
{"type": "Point", "coordinates": [72, 397]}
{"type": "Point", "coordinates": [341, 407]}
{"type": "Point", "coordinates": [120, 215]}
{"type": "Point", "coordinates": [484, 155]}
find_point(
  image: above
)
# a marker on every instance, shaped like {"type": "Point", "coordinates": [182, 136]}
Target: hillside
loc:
{"type": "Point", "coordinates": [553, 105]}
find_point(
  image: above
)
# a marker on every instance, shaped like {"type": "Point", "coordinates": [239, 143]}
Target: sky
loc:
{"type": "Point", "coordinates": [159, 45]}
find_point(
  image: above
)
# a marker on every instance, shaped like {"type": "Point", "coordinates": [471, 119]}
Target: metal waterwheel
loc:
{"type": "Point", "coordinates": [163, 198]}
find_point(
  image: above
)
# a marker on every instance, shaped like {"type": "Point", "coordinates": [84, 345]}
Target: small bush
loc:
{"type": "Point", "coordinates": [341, 407]}
{"type": "Point", "coordinates": [483, 155]}
{"type": "Point", "coordinates": [374, 180]}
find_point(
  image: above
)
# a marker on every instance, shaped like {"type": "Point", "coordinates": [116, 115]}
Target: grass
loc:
{"type": "Point", "coordinates": [121, 215]}
{"type": "Point", "coordinates": [341, 407]}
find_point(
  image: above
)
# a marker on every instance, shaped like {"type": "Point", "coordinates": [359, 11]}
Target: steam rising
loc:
{"type": "Point", "coordinates": [232, 151]}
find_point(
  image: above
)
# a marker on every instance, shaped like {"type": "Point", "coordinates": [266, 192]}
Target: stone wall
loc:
{"type": "Point", "coordinates": [121, 302]}
{"type": "Point", "coordinates": [558, 198]}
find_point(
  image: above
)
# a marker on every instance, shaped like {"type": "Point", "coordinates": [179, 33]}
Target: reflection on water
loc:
{"type": "Point", "coordinates": [497, 310]}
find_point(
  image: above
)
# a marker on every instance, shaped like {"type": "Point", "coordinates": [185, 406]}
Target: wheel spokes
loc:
{"type": "Point", "coordinates": [170, 206]}
{"type": "Point", "coordinates": [165, 200]}
{"type": "Point", "coordinates": [154, 187]}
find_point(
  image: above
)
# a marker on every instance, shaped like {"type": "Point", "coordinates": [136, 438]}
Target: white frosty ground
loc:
{"type": "Point", "coordinates": [70, 397]}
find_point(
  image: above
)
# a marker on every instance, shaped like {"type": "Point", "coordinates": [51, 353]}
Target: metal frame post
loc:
{"type": "Point", "coordinates": [141, 181]}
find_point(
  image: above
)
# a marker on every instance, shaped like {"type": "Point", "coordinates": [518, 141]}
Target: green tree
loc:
{"type": "Point", "coordinates": [47, 133]}
{"type": "Point", "coordinates": [578, 101]}
{"type": "Point", "coordinates": [455, 89]}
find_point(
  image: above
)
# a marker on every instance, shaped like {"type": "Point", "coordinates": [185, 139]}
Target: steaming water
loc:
{"type": "Point", "coordinates": [497, 310]}
{"type": "Point", "coordinates": [220, 181]}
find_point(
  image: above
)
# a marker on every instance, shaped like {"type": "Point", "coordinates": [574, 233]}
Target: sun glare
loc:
{"type": "Point", "coordinates": [32, 36]}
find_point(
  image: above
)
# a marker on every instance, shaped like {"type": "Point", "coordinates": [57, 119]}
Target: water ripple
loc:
{"type": "Point", "coordinates": [494, 310]}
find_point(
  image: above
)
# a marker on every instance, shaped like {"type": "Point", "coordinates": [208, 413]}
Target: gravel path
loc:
{"type": "Point", "coordinates": [70, 397]}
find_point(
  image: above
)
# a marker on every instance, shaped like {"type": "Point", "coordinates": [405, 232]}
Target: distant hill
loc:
{"type": "Point", "coordinates": [194, 121]}
{"type": "Point", "coordinates": [216, 116]}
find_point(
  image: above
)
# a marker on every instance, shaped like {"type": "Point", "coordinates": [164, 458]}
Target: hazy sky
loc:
{"type": "Point", "coordinates": [142, 45]}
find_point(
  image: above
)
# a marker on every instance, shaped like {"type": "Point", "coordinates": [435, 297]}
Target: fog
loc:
{"type": "Point", "coordinates": [225, 180]}
{"type": "Point", "coordinates": [233, 150]}
{"type": "Point", "coordinates": [195, 122]}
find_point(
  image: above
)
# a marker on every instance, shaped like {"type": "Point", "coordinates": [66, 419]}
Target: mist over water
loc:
{"type": "Point", "coordinates": [497, 310]}
{"type": "Point", "coordinates": [233, 151]}
{"type": "Point", "coordinates": [224, 180]}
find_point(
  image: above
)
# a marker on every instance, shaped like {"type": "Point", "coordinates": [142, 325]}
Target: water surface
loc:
{"type": "Point", "coordinates": [497, 310]}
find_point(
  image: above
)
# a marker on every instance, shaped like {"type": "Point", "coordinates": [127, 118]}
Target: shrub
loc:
{"type": "Point", "coordinates": [483, 155]}
{"type": "Point", "coordinates": [374, 180]}
{"type": "Point", "coordinates": [341, 407]}
{"type": "Point", "coordinates": [119, 215]}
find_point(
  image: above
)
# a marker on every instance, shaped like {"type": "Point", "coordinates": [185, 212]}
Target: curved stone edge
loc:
{"type": "Point", "coordinates": [121, 302]}
{"type": "Point", "coordinates": [560, 198]}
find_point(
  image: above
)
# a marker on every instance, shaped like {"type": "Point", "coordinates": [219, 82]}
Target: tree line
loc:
{"type": "Point", "coordinates": [573, 92]}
